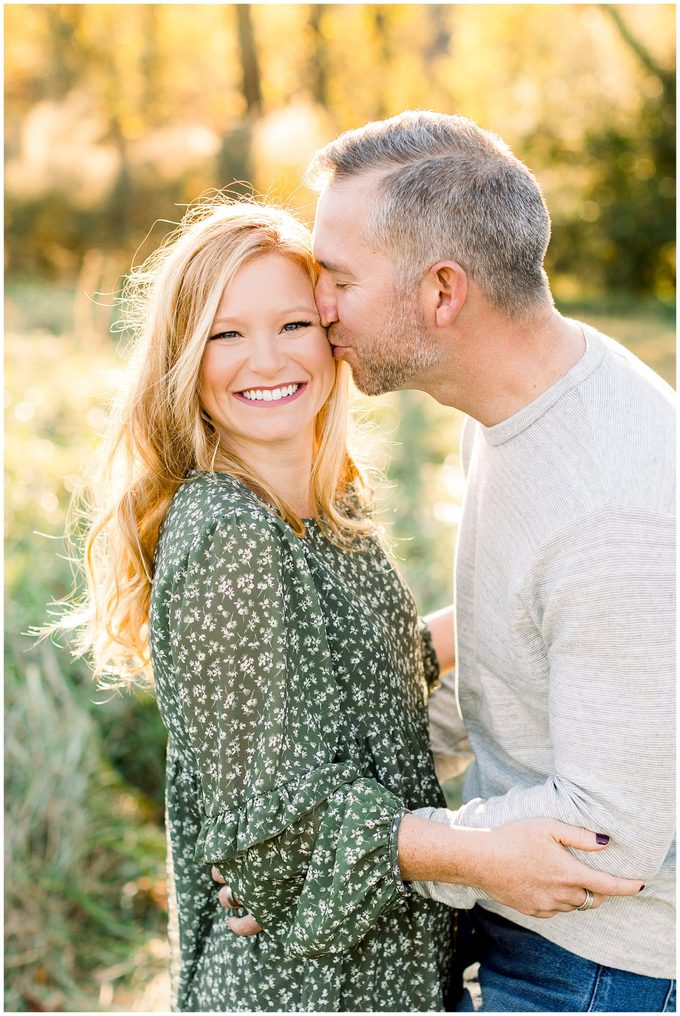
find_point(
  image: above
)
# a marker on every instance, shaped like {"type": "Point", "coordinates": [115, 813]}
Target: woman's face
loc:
{"type": "Point", "coordinates": [267, 368]}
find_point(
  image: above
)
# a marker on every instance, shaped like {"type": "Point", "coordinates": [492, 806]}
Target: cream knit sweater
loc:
{"type": "Point", "coordinates": [565, 641]}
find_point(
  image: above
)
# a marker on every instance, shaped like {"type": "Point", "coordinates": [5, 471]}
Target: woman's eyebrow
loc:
{"type": "Point", "coordinates": [224, 319]}
{"type": "Point", "coordinates": [297, 308]}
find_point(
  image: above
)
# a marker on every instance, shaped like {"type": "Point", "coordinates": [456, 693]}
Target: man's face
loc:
{"type": "Point", "coordinates": [378, 330]}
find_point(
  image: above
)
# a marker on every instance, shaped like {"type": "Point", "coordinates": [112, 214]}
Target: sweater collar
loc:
{"type": "Point", "coordinates": [515, 424]}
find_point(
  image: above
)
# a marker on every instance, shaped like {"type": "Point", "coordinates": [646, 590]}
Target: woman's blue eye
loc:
{"type": "Point", "coordinates": [290, 326]}
{"type": "Point", "coordinates": [226, 335]}
{"type": "Point", "coordinates": [294, 326]}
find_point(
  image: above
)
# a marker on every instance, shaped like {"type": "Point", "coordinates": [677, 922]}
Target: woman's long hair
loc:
{"type": "Point", "coordinates": [158, 431]}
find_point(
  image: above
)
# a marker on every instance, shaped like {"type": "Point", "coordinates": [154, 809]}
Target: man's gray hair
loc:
{"type": "Point", "coordinates": [450, 191]}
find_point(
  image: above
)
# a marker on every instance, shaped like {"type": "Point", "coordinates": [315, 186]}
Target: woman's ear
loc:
{"type": "Point", "coordinates": [444, 293]}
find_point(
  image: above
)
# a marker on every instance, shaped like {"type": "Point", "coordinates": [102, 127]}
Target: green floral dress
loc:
{"type": "Point", "coordinates": [292, 678]}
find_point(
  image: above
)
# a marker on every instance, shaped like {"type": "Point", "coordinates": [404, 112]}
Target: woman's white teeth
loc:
{"type": "Point", "coordinates": [269, 394]}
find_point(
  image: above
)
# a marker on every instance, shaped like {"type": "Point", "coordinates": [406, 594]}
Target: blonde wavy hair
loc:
{"type": "Point", "coordinates": [158, 431]}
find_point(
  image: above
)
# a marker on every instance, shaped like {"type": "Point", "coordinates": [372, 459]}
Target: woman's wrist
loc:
{"type": "Point", "coordinates": [433, 851]}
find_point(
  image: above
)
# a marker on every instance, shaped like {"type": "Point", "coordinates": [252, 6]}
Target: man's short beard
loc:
{"type": "Point", "coordinates": [402, 350]}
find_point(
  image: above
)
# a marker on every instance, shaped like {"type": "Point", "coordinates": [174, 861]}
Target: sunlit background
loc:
{"type": "Point", "coordinates": [117, 116]}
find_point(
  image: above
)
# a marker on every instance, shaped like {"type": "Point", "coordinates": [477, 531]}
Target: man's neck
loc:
{"type": "Point", "coordinates": [498, 367]}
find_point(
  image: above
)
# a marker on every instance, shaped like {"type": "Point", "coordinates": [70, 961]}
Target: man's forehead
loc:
{"type": "Point", "coordinates": [341, 215]}
{"type": "Point", "coordinates": [348, 192]}
{"type": "Point", "coordinates": [338, 201]}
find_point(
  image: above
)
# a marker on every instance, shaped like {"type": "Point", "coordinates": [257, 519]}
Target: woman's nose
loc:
{"type": "Point", "coordinates": [266, 356]}
{"type": "Point", "coordinates": [324, 294]}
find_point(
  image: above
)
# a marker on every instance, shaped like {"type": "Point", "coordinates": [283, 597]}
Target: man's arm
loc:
{"type": "Point", "coordinates": [441, 624]}
{"type": "Point", "coordinates": [603, 602]}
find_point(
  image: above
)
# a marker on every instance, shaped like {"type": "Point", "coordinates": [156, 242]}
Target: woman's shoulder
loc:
{"type": "Point", "coordinates": [208, 504]}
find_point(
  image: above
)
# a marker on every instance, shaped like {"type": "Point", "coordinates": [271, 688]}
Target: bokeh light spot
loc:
{"type": "Point", "coordinates": [24, 411]}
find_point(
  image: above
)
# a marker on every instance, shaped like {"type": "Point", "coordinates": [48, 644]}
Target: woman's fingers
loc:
{"type": "Point", "coordinates": [598, 882]}
{"type": "Point", "coordinates": [581, 839]}
{"type": "Point", "coordinates": [232, 902]}
{"type": "Point", "coordinates": [526, 866]}
{"type": "Point", "coordinates": [576, 899]}
{"type": "Point", "coordinates": [244, 925]}
{"type": "Point", "coordinates": [238, 925]}
{"type": "Point", "coordinates": [609, 885]}
{"type": "Point", "coordinates": [227, 898]}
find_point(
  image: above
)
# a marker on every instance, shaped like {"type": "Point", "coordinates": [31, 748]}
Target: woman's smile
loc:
{"type": "Point", "coordinates": [280, 395]}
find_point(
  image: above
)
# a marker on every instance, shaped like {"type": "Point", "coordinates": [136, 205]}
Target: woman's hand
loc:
{"type": "Point", "coordinates": [527, 868]}
{"type": "Point", "coordinates": [239, 925]}
{"type": "Point", "coordinates": [523, 864]}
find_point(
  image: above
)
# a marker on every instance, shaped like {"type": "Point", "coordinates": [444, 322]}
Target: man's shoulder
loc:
{"type": "Point", "coordinates": [627, 425]}
{"type": "Point", "coordinates": [604, 440]}
{"type": "Point", "coordinates": [621, 369]}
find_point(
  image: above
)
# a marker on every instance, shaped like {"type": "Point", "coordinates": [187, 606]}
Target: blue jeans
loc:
{"type": "Point", "coordinates": [520, 971]}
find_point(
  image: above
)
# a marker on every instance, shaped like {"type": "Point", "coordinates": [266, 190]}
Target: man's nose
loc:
{"type": "Point", "coordinates": [324, 294]}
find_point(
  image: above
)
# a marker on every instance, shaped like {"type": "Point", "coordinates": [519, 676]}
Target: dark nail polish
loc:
{"type": "Point", "coordinates": [641, 888]}
{"type": "Point", "coordinates": [601, 838]}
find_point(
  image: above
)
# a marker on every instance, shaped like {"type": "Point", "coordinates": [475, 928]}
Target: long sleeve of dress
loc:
{"type": "Point", "coordinates": [305, 839]}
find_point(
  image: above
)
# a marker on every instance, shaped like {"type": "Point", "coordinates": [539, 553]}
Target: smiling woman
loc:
{"type": "Point", "coordinates": [233, 559]}
{"type": "Point", "coordinates": [268, 370]}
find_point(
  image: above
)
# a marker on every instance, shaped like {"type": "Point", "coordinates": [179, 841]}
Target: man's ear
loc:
{"type": "Point", "coordinates": [444, 292]}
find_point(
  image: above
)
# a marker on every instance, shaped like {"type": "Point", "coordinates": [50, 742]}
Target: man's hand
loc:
{"type": "Point", "coordinates": [239, 925]}
{"type": "Point", "coordinates": [522, 864]}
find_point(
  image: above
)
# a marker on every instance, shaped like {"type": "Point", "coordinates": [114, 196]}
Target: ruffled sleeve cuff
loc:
{"type": "Point", "coordinates": [261, 817]}
{"type": "Point", "coordinates": [315, 862]}
{"type": "Point", "coordinates": [403, 888]}
{"type": "Point", "coordinates": [353, 878]}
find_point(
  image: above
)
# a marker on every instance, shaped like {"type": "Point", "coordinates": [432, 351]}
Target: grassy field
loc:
{"type": "Point", "coordinates": [85, 883]}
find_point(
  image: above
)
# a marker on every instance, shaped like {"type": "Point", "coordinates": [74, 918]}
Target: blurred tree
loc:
{"type": "Point", "coordinates": [667, 79]}
{"type": "Point", "coordinates": [646, 159]}
{"type": "Point", "coordinates": [440, 41]}
{"type": "Point", "coordinates": [439, 56]}
{"type": "Point", "coordinates": [250, 65]}
{"type": "Point", "coordinates": [65, 64]}
{"type": "Point", "coordinates": [381, 25]}
{"type": "Point", "coordinates": [235, 158]}
{"type": "Point", "coordinates": [114, 118]}
{"type": "Point", "coordinates": [318, 56]}
{"type": "Point", "coordinates": [623, 237]}
{"type": "Point", "coordinates": [151, 65]}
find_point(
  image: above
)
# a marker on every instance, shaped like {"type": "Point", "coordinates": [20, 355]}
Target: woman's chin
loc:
{"type": "Point", "coordinates": [270, 435]}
